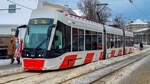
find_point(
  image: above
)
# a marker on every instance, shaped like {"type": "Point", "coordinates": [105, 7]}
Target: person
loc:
{"type": "Point", "coordinates": [11, 49]}
{"type": "Point", "coordinates": [17, 52]}
{"type": "Point", "coordinates": [141, 45]}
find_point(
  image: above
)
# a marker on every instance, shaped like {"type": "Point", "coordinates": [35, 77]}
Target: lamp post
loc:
{"type": "Point", "coordinates": [104, 30]}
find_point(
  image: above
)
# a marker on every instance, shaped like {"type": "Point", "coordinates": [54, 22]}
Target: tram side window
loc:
{"type": "Point", "coordinates": [81, 40]}
{"type": "Point", "coordinates": [62, 37]}
{"type": "Point", "coordinates": [132, 41]}
{"type": "Point", "coordinates": [116, 41]}
{"type": "Point", "coordinates": [108, 41]}
{"type": "Point", "coordinates": [99, 43]}
{"type": "Point", "coordinates": [112, 43]}
{"type": "Point", "coordinates": [75, 39]}
{"type": "Point", "coordinates": [88, 42]}
{"type": "Point", "coordinates": [119, 41]}
{"type": "Point", "coordinates": [127, 41]}
{"type": "Point", "coordinates": [94, 40]}
{"type": "Point", "coordinates": [67, 38]}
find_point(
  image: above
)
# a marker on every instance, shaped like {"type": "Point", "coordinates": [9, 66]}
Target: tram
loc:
{"type": "Point", "coordinates": [55, 40]}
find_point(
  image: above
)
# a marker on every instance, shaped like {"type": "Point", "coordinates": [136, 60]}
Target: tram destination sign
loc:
{"type": "Point", "coordinates": [41, 21]}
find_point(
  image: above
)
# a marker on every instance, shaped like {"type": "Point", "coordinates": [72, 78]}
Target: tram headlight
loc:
{"type": "Point", "coordinates": [27, 55]}
{"type": "Point", "coordinates": [40, 55]}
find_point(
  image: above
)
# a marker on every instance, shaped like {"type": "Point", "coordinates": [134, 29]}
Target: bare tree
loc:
{"type": "Point", "coordinates": [131, 1]}
{"type": "Point", "coordinates": [119, 21]}
{"type": "Point", "coordinates": [90, 10]}
{"type": "Point", "coordinates": [104, 13]}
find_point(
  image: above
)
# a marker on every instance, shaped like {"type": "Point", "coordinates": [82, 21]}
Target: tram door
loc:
{"type": "Point", "coordinates": [58, 40]}
{"type": "Point", "coordinates": [20, 34]}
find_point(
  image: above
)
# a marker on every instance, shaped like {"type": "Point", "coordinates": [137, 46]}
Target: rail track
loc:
{"type": "Point", "coordinates": [17, 76]}
{"type": "Point", "coordinates": [98, 74]}
{"type": "Point", "coordinates": [90, 77]}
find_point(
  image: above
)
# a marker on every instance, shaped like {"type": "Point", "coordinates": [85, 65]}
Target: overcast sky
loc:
{"type": "Point", "coordinates": [140, 9]}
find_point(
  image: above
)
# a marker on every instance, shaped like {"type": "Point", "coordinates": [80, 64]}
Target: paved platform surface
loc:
{"type": "Point", "coordinates": [9, 66]}
{"type": "Point", "coordinates": [140, 75]}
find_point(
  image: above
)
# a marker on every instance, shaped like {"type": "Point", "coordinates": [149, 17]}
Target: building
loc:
{"type": "Point", "coordinates": [64, 9]}
{"type": "Point", "coordinates": [136, 25]}
{"type": "Point", "coordinates": [14, 13]}
{"type": "Point", "coordinates": [142, 35]}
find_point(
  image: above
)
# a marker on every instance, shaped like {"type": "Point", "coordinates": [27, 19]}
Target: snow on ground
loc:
{"type": "Point", "coordinates": [122, 76]}
{"type": "Point", "coordinates": [7, 61]}
{"type": "Point", "coordinates": [58, 76]}
{"type": "Point", "coordinates": [4, 61]}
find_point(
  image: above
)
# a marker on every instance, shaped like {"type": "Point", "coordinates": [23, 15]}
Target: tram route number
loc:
{"type": "Point", "coordinates": [40, 21]}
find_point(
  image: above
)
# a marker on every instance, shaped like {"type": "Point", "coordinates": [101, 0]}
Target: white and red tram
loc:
{"type": "Point", "coordinates": [55, 40]}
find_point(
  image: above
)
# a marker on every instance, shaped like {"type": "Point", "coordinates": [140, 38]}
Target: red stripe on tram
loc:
{"type": "Point", "coordinates": [130, 50]}
{"type": "Point", "coordinates": [113, 53]}
{"type": "Point", "coordinates": [66, 14]}
{"type": "Point", "coordinates": [68, 61]}
{"type": "Point", "coordinates": [120, 52]}
{"type": "Point", "coordinates": [89, 58]}
{"type": "Point", "coordinates": [101, 56]}
{"type": "Point", "coordinates": [125, 51]}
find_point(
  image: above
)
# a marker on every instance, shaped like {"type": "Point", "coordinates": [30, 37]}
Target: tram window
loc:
{"type": "Point", "coordinates": [132, 41]}
{"type": "Point", "coordinates": [81, 40]}
{"type": "Point", "coordinates": [99, 38]}
{"type": "Point", "coordinates": [67, 38]}
{"type": "Point", "coordinates": [116, 41]}
{"type": "Point", "coordinates": [119, 41]}
{"type": "Point", "coordinates": [108, 41]}
{"type": "Point", "coordinates": [94, 40]}
{"type": "Point", "coordinates": [112, 41]}
{"type": "Point", "coordinates": [127, 41]}
{"type": "Point", "coordinates": [88, 40]}
{"type": "Point", "coordinates": [62, 38]}
{"type": "Point", "coordinates": [75, 39]}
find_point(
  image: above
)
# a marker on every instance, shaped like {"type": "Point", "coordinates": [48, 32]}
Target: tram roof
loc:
{"type": "Point", "coordinates": [75, 21]}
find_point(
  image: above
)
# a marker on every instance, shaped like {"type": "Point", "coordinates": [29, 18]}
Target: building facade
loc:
{"type": "Point", "coordinates": [14, 13]}
{"type": "Point", "coordinates": [136, 25]}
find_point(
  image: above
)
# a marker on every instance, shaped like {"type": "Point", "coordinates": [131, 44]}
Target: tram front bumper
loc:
{"type": "Point", "coordinates": [33, 64]}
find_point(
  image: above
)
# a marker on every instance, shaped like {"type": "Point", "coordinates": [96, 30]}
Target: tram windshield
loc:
{"type": "Point", "coordinates": [36, 35]}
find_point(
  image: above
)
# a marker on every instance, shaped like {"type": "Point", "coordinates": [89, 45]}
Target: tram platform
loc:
{"type": "Point", "coordinates": [7, 68]}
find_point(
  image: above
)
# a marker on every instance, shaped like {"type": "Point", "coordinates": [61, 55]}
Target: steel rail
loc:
{"type": "Point", "coordinates": [130, 60]}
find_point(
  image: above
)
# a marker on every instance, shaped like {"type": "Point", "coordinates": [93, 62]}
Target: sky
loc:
{"type": "Point", "coordinates": [138, 10]}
